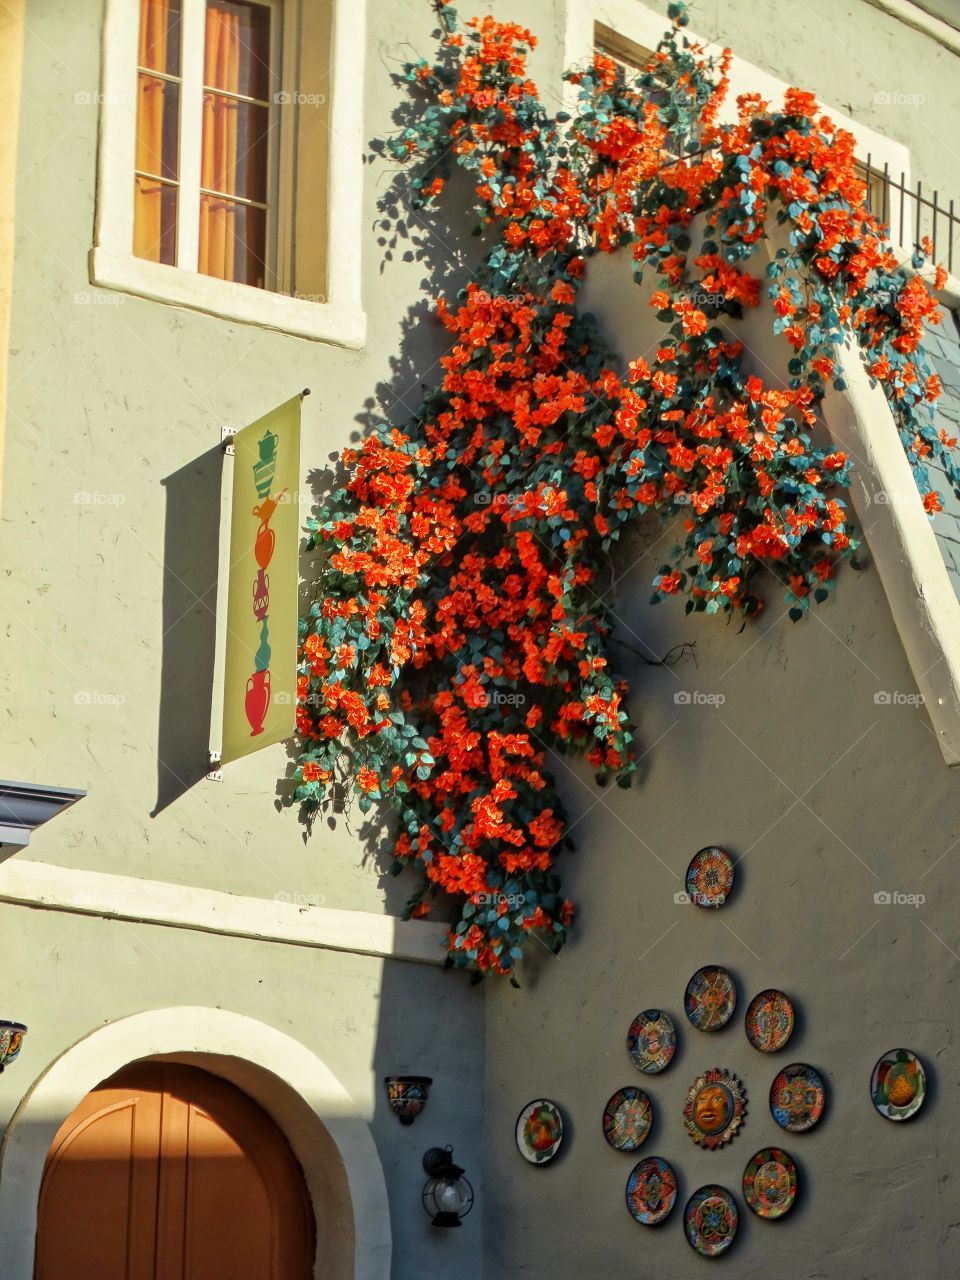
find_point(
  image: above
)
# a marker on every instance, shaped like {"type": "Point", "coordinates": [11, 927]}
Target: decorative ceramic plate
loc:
{"type": "Point", "coordinates": [715, 1105]}
{"type": "Point", "coordinates": [710, 877]}
{"type": "Point", "coordinates": [627, 1119]}
{"type": "Point", "coordinates": [539, 1131]}
{"type": "Point", "coordinates": [651, 1191]}
{"type": "Point", "coordinates": [898, 1085]}
{"type": "Point", "coordinates": [770, 1183]}
{"type": "Point", "coordinates": [710, 998]}
{"type": "Point", "coordinates": [797, 1098]}
{"type": "Point", "coordinates": [11, 1040]}
{"type": "Point", "coordinates": [710, 1220]}
{"type": "Point", "coordinates": [769, 1021]}
{"type": "Point", "coordinates": [651, 1041]}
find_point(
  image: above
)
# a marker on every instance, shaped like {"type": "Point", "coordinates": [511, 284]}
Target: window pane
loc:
{"type": "Point", "coordinates": [158, 120]}
{"type": "Point", "coordinates": [160, 36]}
{"type": "Point", "coordinates": [235, 155]}
{"type": "Point", "coordinates": [155, 221]}
{"type": "Point", "coordinates": [232, 241]}
{"type": "Point", "coordinates": [237, 50]}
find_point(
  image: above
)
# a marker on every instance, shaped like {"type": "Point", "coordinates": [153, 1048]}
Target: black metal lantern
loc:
{"type": "Point", "coordinates": [447, 1195]}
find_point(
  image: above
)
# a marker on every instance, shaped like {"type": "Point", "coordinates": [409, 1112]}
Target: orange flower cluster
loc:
{"type": "Point", "coordinates": [458, 631]}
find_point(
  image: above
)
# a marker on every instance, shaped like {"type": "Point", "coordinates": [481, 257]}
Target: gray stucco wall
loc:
{"type": "Point", "coordinates": [826, 797]}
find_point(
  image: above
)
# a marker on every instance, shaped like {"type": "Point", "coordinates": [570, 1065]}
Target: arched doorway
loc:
{"type": "Point", "coordinates": [167, 1172]}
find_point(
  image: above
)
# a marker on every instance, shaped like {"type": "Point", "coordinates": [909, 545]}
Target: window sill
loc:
{"type": "Point", "coordinates": [318, 321]}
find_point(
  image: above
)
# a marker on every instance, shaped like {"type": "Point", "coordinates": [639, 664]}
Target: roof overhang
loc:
{"type": "Point", "coordinates": [24, 806]}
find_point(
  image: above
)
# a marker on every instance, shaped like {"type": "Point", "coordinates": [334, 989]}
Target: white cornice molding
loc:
{"type": "Point", "coordinates": [111, 897]}
{"type": "Point", "coordinates": [912, 16]}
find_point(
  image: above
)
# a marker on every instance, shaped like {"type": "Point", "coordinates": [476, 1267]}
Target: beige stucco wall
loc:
{"type": "Point", "coordinates": [11, 52]}
{"type": "Point", "coordinates": [858, 59]}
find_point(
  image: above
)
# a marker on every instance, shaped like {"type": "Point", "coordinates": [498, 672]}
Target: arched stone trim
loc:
{"type": "Point", "coordinates": [323, 1126]}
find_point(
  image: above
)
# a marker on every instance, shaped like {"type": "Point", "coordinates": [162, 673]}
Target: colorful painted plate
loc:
{"type": "Point", "coordinates": [11, 1040]}
{"type": "Point", "coordinates": [710, 998]}
{"type": "Point", "coordinates": [651, 1041]}
{"type": "Point", "coordinates": [770, 1183]}
{"type": "Point", "coordinates": [651, 1191]}
{"type": "Point", "coordinates": [710, 1220]}
{"type": "Point", "coordinates": [710, 877]}
{"type": "Point", "coordinates": [769, 1021]}
{"type": "Point", "coordinates": [539, 1131]}
{"type": "Point", "coordinates": [627, 1119]}
{"type": "Point", "coordinates": [898, 1085]}
{"type": "Point", "coordinates": [797, 1098]}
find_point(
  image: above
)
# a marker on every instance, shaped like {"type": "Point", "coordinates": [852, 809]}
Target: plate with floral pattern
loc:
{"type": "Point", "coordinates": [770, 1183]}
{"type": "Point", "coordinates": [710, 1220]}
{"type": "Point", "coordinates": [710, 877]}
{"type": "Point", "coordinates": [797, 1098]}
{"type": "Point", "coordinates": [651, 1041]}
{"type": "Point", "coordinates": [769, 1021]}
{"type": "Point", "coordinates": [539, 1131]}
{"type": "Point", "coordinates": [627, 1119]}
{"type": "Point", "coordinates": [710, 998]}
{"type": "Point", "coordinates": [652, 1191]}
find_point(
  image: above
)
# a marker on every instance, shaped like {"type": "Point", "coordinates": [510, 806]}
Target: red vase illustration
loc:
{"type": "Point", "coordinates": [261, 595]}
{"type": "Point", "coordinates": [257, 700]}
{"type": "Point", "coordinates": [263, 548]}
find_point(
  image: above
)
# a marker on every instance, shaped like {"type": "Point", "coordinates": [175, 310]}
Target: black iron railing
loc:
{"type": "Point", "coordinates": [909, 214]}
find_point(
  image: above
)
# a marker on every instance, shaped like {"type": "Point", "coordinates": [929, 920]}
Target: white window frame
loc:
{"type": "Point", "coordinates": [924, 605]}
{"type": "Point", "coordinates": [340, 318]}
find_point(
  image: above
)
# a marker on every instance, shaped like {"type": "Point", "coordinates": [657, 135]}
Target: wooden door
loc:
{"type": "Point", "coordinates": [166, 1172]}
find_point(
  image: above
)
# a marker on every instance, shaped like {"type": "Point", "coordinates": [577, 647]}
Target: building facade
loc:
{"type": "Point", "coordinates": [193, 228]}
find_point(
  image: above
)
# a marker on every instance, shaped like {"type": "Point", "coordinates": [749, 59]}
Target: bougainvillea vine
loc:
{"type": "Point", "coordinates": [457, 634]}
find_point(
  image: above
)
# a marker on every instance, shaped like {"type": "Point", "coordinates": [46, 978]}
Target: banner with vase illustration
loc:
{"type": "Point", "coordinates": [260, 684]}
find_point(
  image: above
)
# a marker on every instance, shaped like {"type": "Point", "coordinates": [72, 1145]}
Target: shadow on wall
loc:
{"type": "Point", "coordinates": [446, 243]}
{"type": "Point", "coordinates": [190, 563]}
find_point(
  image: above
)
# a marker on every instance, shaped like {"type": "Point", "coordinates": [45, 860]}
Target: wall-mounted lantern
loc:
{"type": "Point", "coordinates": [447, 1195]}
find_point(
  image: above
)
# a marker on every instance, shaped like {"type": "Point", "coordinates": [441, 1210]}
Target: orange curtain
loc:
{"type": "Point", "coordinates": [218, 231]}
{"type": "Point", "coordinates": [152, 198]}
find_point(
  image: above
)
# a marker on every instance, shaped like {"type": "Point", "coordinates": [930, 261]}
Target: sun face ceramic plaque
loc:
{"type": "Point", "coordinates": [627, 1119]}
{"type": "Point", "coordinates": [710, 1220]}
{"type": "Point", "coordinates": [710, 998]}
{"type": "Point", "coordinates": [898, 1085]}
{"type": "Point", "coordinates": [769, 1021]}
{"type": "Point", "coordinates": [714, 1108]}
{"type": "Point", "coordinates": [651, 1041]}
{"type": "Point", "coordinates": [651, 1191]}
{"type": "Point", "coordinates": [709, 877]}
{"type": "Point", "coordinates": [797, 1098]}
{"type": "Point", "coordinates": [539, 1131]}
{"type": "Point", "coordinates": [770, 1183]}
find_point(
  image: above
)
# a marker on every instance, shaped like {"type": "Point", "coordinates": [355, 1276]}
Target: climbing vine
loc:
{"type": "Point", "coordinates": [458, 634]}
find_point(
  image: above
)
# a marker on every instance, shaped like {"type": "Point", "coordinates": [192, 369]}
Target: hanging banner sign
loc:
{"type": "Point", "coordinates": [260, 683]}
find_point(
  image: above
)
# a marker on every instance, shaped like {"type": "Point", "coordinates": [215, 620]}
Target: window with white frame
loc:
{"type": "Point", "coordinates": [218, 217]}
{"type": "Point", "coordinates": [240, 164]}
{"type": "Point", "coordinates": [631, 56]}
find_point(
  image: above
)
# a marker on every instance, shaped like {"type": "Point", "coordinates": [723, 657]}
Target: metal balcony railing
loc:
{"type": "Point", "coordinates": [909, 214]}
